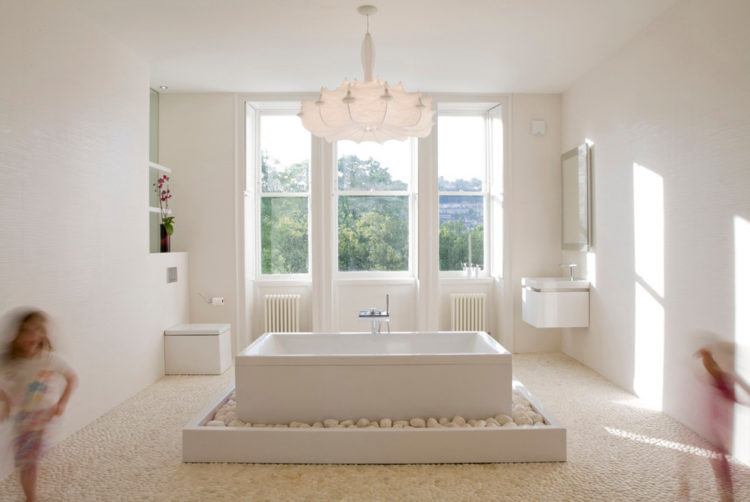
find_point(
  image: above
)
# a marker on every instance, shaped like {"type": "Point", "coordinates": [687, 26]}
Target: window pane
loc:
{"type": "Point", "coordinates": [461, 152]}
{"type": "Point", "coordinates": [283, 222]}
{"type": "Point", "coordinates": [284, 153]}
{"type": "Point", "coordinates": [372, 166]}
{"type": "Point", "coordinates": [373, 233]}
{"type": "Point", "coordinates": [461, 231]}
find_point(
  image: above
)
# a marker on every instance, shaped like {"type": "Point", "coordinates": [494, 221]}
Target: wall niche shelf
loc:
{"type": "Point", "coordinates": [154, 212]}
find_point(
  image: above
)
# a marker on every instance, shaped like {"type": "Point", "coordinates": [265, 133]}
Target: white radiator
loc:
{"type": "Point", "coordinates": [467, 312]}
{"type": "Point", "coordinates": [282, 313]}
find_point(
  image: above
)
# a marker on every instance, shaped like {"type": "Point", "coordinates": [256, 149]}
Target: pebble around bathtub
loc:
{"type": "Point", "coordinates": [528, 433]}
{"type": "Point", "coordinates": [523, 415]}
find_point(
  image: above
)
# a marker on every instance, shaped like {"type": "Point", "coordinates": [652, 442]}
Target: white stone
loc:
{"type": "Point", "coordinates": [431, 422]}
{"type": "Point", "coordinates": [480, 423]}
{"type": "Point", "coordinates": [417, 422]}
{"type": "Point", "coordinates": [503, 419]}
{"type": "Point", "coordinates": [216, 423]}
{"type": "Point", "coordinates": [521, 401]}
{"type": "Point", "coordinates": [524, 421]}
{"type": "Point", "coordinates": [386, 422]}
{"type": "Point", "coordinates": [330, 422]}
{"type": "Point", "coordinates": [519, 409]}
{"type": "Point", "coordinates": [459, 421]}
{"type": "Point", "coordinates": [236, 423]}
{"type": "Point", "coordinates": [522, 418]}
{"type": "Point", "coordinates": [510, 424]}
{"type": "Point", "coordinates": [346, 423]}
{"type": "Point", "coordinates": [363, 422]}
{"type": "Point", "coordinates": [318, 425]}
{"type": "Point", "coordinates": [443, 421]}
{"type": "Point", "coordinates": [400, 423]}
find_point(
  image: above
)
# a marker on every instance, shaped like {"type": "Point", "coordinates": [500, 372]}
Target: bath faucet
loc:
{"type": "Point", "coordinates": [377, 316]}
{"type": "Point", "coordinates": [571, 266]}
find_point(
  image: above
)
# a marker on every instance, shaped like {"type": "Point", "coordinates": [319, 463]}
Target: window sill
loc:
{"type": "Point", "coordinates": [283, 281]}
{"type": "Point", "coordinates": [373, 280]}
{"type": "Point", "coordinates": [469, 280]}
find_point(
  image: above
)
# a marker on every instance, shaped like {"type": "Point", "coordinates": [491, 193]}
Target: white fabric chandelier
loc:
{"type": "Point", "coordinates": [370, 110]}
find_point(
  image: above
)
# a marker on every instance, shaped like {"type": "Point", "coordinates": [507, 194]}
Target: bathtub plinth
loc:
{"type": "Point", "coordinates": [372, 446]}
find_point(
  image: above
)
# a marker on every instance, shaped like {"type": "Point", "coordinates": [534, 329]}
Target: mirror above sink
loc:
{"type": "Point", "coordinates": [576, 199]}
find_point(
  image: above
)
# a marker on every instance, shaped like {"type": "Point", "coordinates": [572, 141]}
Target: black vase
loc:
{"type": "Point", "coordinates": [165, 246]}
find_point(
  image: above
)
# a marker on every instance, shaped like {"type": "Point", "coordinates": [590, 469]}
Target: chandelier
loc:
{"type": "Point", "coordinates": [368, 110]}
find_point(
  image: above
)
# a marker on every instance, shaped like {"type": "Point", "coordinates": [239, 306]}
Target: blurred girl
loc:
{"type": "Point", "coordinates": [35, 385]}
{"type": "Point", "coordinates": [724, 383]}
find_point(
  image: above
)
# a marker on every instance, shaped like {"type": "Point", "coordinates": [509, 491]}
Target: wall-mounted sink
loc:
{"type": "Point", "coordinates": [555, 302]}
{"type": "Point", "coordinates": [544, 284]}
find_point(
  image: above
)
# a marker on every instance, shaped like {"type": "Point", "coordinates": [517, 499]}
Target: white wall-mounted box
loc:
{"type": "Point", "coordinates": [197, 349]}
{"type": "Point", "coordinates": [555, 303]}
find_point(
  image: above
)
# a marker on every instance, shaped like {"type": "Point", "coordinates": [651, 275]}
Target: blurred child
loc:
{"type": "Point", "coordinates": [35, 385]}
{"type": "Point", "coordinates": [724, 385]}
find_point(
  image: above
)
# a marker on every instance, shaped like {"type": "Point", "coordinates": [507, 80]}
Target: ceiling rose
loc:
{"type": "Point", "coordinates": [368, 110]}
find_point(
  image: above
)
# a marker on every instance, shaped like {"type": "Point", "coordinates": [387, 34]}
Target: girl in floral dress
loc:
{"type": "Point", "coordinates": [35, 385]}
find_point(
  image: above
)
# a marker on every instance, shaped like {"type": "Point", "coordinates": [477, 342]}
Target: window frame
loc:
{"type": "Point", "coordinates": [411, 196]}
{"type": "Point", "coordinates": [286, 109]}
{"type": "Point", "coordinates": [489, 197]}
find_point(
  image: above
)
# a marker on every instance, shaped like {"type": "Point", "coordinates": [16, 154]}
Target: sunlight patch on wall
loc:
{"type": "Point", "coordinates": [648, 377]}
{"type": "Point", "coordinates": [648, 218]}
{"type": "Point", "coordinates": [741, 436]}
{"type": "Point", "coordinates": [648, 236]}
{"type": "Point", "coordinates": [591, 268]}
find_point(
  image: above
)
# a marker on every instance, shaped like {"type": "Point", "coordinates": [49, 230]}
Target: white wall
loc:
{"type": "Point", "coordinates": [197, 140]}
{"type": "Point", "coordinates": [200, 136]}
{"type": "Point", "coordinates": [73, 198]}
{"type": "Point", "coordinates": [675, 100]}
{"type": "Point", "coordinates": [533, 203]}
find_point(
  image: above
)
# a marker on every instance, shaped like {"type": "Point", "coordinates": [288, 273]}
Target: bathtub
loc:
{"type": "Point", "coordinates": [314, 376]}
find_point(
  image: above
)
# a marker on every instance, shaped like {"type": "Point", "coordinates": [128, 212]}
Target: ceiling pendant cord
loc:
{"type": "Point", "coordinates": [419, 106]}
{"type": "Point", "coordinates": [386, 98]}
{"type": "Point", "coordinates": [319, 105]}
{"type": "Point", "coordinates": [419, 119]}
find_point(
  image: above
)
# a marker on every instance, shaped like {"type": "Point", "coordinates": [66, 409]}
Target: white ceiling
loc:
{"type": "Point", "coordinates": [438, 45]}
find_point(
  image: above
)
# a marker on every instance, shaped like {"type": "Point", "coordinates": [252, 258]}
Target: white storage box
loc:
{"type": "Point", "coordinates": [197, 349]}
{"type": "Point", "coordinates": [550, 302]}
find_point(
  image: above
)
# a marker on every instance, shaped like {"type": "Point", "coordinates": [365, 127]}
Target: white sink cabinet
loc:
{"type": "Point", "coordinates": [555, 302]}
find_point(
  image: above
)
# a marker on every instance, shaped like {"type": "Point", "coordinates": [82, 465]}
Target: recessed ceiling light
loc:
{"type": "Point", "coordinates": [163, 87]}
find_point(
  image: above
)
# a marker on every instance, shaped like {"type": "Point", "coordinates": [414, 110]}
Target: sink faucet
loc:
{"type": "Point", "coordinates": [571, 266]}
{"type": "Point", "coordinates": [377, 316]}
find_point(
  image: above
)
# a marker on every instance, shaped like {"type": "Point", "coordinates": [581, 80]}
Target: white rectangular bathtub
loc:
{"type": "Point", "coordinates": [314, 376]}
